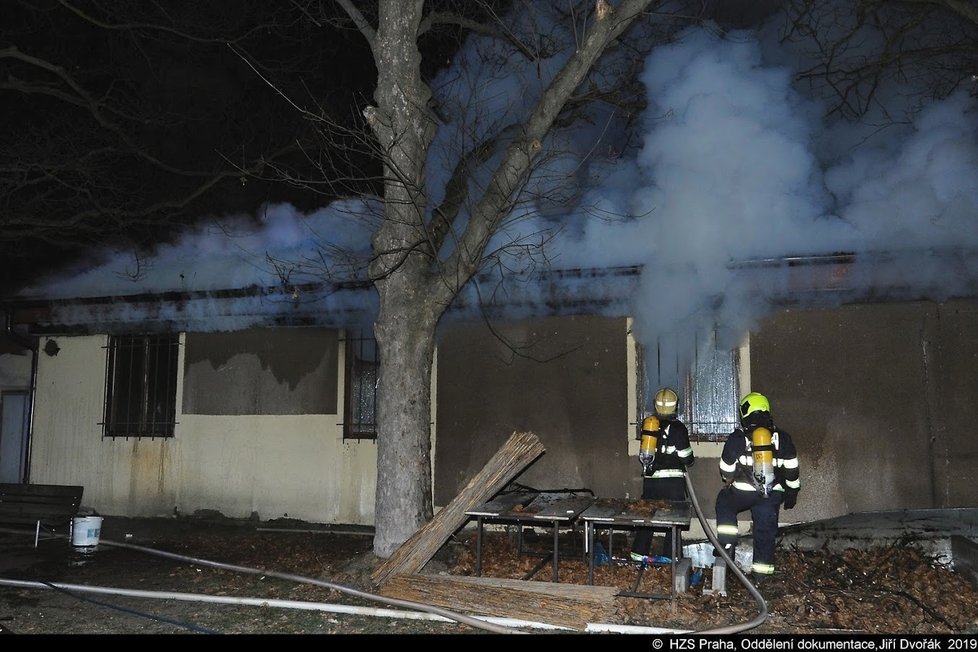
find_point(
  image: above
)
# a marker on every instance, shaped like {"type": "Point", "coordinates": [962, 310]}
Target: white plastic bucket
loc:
{"type": "Point", "coordinates": [85, 531]}
{"type": "Point", "coordinates": [701, 554]}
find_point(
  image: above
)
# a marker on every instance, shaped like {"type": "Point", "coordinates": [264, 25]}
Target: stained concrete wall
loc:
{"type": "Point", "coordinates": [880, 400]}
{"type": "Point", "coordinates": [568, 380]}
{"type": "Point", "coordinates": [261, 371]}
{"type": "Point", "coordinates": [294, 465]}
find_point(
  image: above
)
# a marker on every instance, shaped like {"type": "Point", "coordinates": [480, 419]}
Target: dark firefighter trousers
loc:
{"type": "Point", "coordinates": [764, 513]}
{"type": "Point", "coordinates": [658, 489]}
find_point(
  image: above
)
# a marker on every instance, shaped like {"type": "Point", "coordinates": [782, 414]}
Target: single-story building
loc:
{"type": "Point", "coordinates": [258, 402]}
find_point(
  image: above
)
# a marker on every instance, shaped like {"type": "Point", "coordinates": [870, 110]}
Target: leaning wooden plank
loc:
{"type": "Point", "coordinates": [568, 591]}
{"type": "Point", "coordinates": [573, 606]}
{"type": "Point", "coordinates": [516, 454]}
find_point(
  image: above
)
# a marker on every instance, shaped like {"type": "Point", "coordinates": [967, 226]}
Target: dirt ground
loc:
{"type": "Point", "coordinates": [205, 575]}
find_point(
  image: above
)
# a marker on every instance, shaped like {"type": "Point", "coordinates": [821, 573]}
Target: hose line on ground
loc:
{"type": "Point", "coordinates": [451, 615]}
{"type": "Point", "coordinates": [472, 621]}
{"type": "Point", "coordinates": [77, 596]}
{"type": "Point", "coordinates": [444, 613]}
{"type": "Point", "coordinates": [424, 612]}
{"type": "Point", "coordinates": [732, 629]}
{"type": "Point", "coordinates": [349, 610]}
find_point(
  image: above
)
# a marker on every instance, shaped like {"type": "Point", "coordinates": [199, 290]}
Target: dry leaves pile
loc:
{"type": "Point", "coordinates": [895, 590]}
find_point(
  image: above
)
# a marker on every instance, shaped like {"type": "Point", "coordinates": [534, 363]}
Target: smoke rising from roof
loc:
{"type": "Point", "coordinates": [729, 163]}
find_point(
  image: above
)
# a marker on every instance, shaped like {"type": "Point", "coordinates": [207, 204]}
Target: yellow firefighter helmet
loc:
{"type": "Point", "coordinates": [754, 402]}
{"type": "Point", "coordinates": [666, 402]}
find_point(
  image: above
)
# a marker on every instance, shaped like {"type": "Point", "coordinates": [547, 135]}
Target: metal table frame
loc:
{"type": "Point", "coordinates": [523, 508]}
{"type": "Point", "coordinates": [611, 514]}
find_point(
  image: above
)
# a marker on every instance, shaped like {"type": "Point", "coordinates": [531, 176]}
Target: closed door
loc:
{"type": "Point", "coordinates": [13, 436]}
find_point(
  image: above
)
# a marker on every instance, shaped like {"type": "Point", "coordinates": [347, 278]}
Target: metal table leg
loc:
{"type": "Point", "coordinates": [478, 549]}
{"type": "Point", "coordinates": [556, 548]}
{"type": "Point", "coordinates": [589, 550]}
{"type": "Point", "coordinates": [676, 551]}
{"type": "Point", "coordinates": [638, 579]}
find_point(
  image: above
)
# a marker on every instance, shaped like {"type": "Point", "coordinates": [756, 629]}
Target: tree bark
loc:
{"type": "Point", "coordinates": [405, 326]}
{"type": "Point", "coordinates": [406, 342]}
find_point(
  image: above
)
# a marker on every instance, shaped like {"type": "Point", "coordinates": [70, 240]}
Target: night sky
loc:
{"type": "Point", "coordinates": [102, 123]}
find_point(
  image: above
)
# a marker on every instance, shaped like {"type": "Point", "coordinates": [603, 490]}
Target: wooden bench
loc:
{"type": "Point", "coordinates": [45, 506]}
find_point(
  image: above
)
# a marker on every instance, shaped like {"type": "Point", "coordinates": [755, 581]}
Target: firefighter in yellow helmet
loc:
{"type": "Point", "coordinates": [665, 455]}
{"type": "Point", "coordinates": [759, 469]}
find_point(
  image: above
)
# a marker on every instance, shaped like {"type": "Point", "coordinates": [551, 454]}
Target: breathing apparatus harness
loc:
{"type": "Point", "coordinates": [652, 431]}
{"type": "Point", "coordinates": [762, 444]}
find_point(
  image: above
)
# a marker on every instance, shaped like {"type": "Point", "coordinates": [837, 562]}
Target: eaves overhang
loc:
{"type": "Point", "coordinates": [334, 305]}
{"type": "Point", "coordinates": [937, 274]}
{"type": "Point", "coordinates": [314, 304]}
{"type": "Point", "coordinates": [804, 280]}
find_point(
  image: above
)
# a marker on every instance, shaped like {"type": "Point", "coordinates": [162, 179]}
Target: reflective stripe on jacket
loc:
{"type": "Point", "coordinates": [737, 462]}
{"type": "Point", "coordinates": [673, 452]}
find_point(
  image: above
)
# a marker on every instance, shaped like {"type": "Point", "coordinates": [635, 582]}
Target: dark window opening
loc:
{"type": "Point", "coordinates": [141, 386]}
{"type": "Point", "coordinates": [360, 420]}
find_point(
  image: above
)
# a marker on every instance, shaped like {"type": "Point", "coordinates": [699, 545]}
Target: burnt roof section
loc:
{"type": "Point", "coordinates": [804, 281]}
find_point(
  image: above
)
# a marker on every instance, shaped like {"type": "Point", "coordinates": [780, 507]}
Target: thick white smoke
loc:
{"type": "Point", "coordinates": [728, 163]}
{"type": "Point", "coordinates": [729, 172]}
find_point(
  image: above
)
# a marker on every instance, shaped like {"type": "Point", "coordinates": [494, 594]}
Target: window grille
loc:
{"type": "Point", "coordinates": [360, 420]}
{"type": "Point", "coordinates": [141, 386]}
{"type": "Point", "coordinates": [714, 385]}
{"type": "Point", "coordinates": [708, 389]}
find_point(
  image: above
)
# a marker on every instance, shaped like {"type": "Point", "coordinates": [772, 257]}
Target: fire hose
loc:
{"type": "Point", "coordinates": [711, 535]}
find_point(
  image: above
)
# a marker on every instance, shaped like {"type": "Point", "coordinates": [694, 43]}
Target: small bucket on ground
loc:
{"type": "Point", "coordinates": [701, 554]}
{"type": "Point", "coordinates": [85, 531]}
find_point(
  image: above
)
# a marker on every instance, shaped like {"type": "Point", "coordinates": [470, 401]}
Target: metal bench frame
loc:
{"type": "Point", "coordinates": [44, 506]}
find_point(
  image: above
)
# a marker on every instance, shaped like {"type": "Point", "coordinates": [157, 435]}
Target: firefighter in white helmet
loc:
{"type": "Point", "coordinates": [759, 469]}
{"type": "Point", "coordinates": [665, 455]}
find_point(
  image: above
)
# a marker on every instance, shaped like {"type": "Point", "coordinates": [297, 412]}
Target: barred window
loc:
{"type": "Point", "coordinates": [708, 387]}
{"type": "Point", "coordinates": [714, 391]}
{"type": "Point", "coordinates": [141, 386]}
{"type": "Point", "coordinates": [360, 419]}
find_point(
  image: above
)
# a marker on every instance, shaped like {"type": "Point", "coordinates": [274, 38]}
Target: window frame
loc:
{"type": "Point", "coordinates": [140, 377]}
{"type": "Point", "coordinates": [360, 375]}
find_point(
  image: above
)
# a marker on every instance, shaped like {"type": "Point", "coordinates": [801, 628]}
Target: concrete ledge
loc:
{"type": "Point", "coordinates": [680, 580]}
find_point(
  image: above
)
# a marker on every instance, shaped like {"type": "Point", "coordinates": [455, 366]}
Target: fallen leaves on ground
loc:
{"type": "Point", "coordinates": [895, 589]}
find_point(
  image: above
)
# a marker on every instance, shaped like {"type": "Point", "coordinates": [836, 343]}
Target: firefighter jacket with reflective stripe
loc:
{"type": "Point", "coordinates": [737, 462]}
{"type": "Point", "coordinates": [672, 451]}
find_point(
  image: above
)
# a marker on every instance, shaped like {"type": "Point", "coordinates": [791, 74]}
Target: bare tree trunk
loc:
{"type": "Point", "coordinates": [406, 340]}
{"type": "Point", "coordinates": [405, 326]}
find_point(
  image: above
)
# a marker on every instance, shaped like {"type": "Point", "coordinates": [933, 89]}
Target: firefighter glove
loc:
{"type": "Point", "coordinates": [790, 498]}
